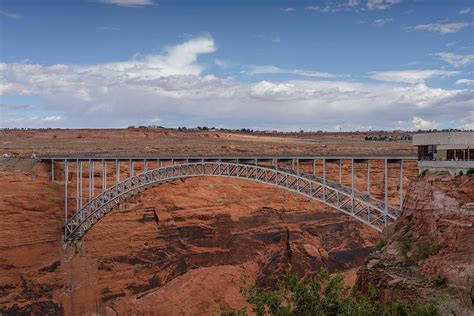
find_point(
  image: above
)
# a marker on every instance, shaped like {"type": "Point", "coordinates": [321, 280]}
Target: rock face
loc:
{"type": "Point", "coordinates": [178, 248]}
{"type": "Point", "coordinates": [430, 248]}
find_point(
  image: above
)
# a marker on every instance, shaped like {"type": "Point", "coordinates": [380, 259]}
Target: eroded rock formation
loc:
{"type": "Point", "coordinates": [429, 251]}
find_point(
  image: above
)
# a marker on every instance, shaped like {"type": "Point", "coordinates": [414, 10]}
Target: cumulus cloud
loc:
{"type": "Point", "coordinates": [270, 69]}
{"type": "Point", "coordinates": [381, 4]}
{"type": "Point", "coordinates": [411, 76]}
{"type": "Point", "coordinates": [174, 88]}
{"type": "Point", "coordinates": [465, 10]}
{"type": "Point", "coordinates": [128, 3]}
{"type": "Point", "coordinates": [420, 123]}
{"type": "Point", "coordinates": [441, 28]}
{"type": "Point", "coordinates": [465, 81]}
{"type": "Point", "coordinates": [456, 60]}
{"type": "Point", "coordinates": [468, 126]}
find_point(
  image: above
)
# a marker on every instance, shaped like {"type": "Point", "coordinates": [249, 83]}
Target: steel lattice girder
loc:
{"type": "Point", "coordinates": [364, 208]}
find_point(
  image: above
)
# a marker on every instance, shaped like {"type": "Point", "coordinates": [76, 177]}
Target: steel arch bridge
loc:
{"type": "Point", "coordinates": [364, 208]}
{"type": "Point", "coordinates": [294, 173]}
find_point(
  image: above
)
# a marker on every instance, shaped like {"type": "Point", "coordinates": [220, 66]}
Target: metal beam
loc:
{"type": "Point", "coordinates": [340, 171]}
{"type": "Point", "coordinates": [52, 170]}
{"type": "Point", "coordinates": [401, 184]}
{"type": "Point", "coordinates": [66, 178]}
{"type": "Point", "coordinates": [104, 175]}
{"type": "Point", "coordinates": [117, 171]}
{"type": "Point", "coordinates": [386, 190]}
{"type": "Point", "coordinates": [368, 177]}
{"type": "Point", "coordinates": [80, 184]}
{"type": "Point", "coordinates": [77, 185]}
{"type": "Point", "coordinates": [324, 171]}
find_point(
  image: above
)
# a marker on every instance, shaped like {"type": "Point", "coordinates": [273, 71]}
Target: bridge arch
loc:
{"type": "Point", "coordinates": [362, 207]}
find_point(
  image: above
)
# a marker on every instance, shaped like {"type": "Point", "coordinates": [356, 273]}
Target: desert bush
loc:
{"type": "Point", "coordinates": [425, 249]}
{"type": "Point", "coordinates": [380, 243]}
{"type": "Point", "coordinates": [470, 171]}
{"type": "Point", "coordinates": [323, 294]}
{"type": "Point", "coordinates": [404, 246]}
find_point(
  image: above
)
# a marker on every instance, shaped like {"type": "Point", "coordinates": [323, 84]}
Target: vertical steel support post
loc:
{"type": "Point", "coordinates": [77, 185]}
{"type": "Point", "coordinates": [386, 191]}
{"type": "Point", "coordinates": [80, 184]}
{"type": "Point", "coordinates": [145, 165]}
{"type": "Point", "coordinates": [298, 166]}
{"type": "Point", "coordinates": [368, 176]}
{"type": "Point", "coordinates": [352, 177]}
{"type": "Point", "coordinates": [401, 184]}
{"type": "Point", "coordinates": [276, 164]}
{"type": "Point", "coordinates": [52, 170]}
{"type": "Point", "coordinates": [66, 176]}
{"type": "Point", "coordinates": [340, 171]}
{"type": "Point", "coordinates": [314, 167]}
{"type": "Point", "coordinates": [131, 168]}
{"type": "Point", "coordinates": [90, 181]}
{"type": "Point", "coordinates": [324, 171]}
{"type": "Point", "coordinates": [352, 184]}
{"type": "Point", "coordinates": [103, 175]}
{"type": "Point", "coordinates": [93, 179]}
{"type": "Point", "coordinates": [117, 171]}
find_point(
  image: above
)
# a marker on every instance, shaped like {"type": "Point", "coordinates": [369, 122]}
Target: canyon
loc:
{"type": "Point", "coordinates": [183, 247]}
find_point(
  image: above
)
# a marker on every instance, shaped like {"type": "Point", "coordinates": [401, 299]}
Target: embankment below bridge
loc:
{"type": "Point", "coordinates": [428, 253]}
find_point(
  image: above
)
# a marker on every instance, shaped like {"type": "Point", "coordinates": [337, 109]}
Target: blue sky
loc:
{"type": "Point", "coordinates": [289, 65]}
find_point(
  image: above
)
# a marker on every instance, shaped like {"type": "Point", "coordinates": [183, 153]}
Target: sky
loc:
{"type": "Point", "coordinates": [341, 65]}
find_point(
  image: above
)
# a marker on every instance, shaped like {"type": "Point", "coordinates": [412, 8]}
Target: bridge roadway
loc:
{"type": "Point", "coordinates": [360, 205]}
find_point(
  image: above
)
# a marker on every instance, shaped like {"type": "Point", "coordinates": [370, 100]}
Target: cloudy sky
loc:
{"type": "Point", "coordinates": [287, 65]}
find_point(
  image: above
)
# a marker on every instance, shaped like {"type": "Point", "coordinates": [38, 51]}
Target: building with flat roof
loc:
{"type": "Point", "coordinates": [445, 151]}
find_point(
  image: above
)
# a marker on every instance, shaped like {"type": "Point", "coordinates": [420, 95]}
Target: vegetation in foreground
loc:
{"type": "Point", "coordinates": [324, 294]}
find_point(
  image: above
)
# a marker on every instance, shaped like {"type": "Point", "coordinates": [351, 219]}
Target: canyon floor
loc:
{"type": "Point", "coordinates": [183, 247]}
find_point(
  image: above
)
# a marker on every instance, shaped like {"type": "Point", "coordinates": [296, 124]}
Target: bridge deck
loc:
{"type": "Point", "coordinates": [223, 157]}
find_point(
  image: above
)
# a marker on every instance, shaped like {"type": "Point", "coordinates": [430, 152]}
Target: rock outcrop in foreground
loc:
{"type": "Point", "coordinates": [429, 252]}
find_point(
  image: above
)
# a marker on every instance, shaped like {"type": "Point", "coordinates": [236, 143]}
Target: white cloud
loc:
{"type": "Point", "coordinates": [456, 60]}
{"type": "Point", "coordinates": [172, 87]}
{"type": "Point", "coordinates": [10, 15]}
{"type": "Point", "coordinates": [128, 3]}
{"type": "Point", "coordinates": [270, 69]}
{"type": "Point", "coordinates": [353, 3]}
{"type": "Point", "coordinates": [381, 22]}
{"type": "Point", "coordinates": [441, 28]}
{"type": "Point", "coordinates": [411, 76]}
{"type": "Point", "coordinates": [465, 81]}
{"type": "Point", "coordinates": [468, 127]}
{"type": "Point", "coordinates": [465, 10]}
{"type": "Point", "coordinates": [381, 4]}
{"type": "Point", "coordinates": [289, 9]}
{"type": "Point", "coordinates": [422, 124]}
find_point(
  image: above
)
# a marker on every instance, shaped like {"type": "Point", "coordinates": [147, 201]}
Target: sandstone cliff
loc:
{"type": "Point", "coordinates": [429, 252]}
{"type": "Point", "coordinates": [179, 248]}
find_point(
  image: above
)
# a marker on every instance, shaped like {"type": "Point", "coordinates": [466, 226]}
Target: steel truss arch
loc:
{"type": "Point", "coordinates": [358, 205]}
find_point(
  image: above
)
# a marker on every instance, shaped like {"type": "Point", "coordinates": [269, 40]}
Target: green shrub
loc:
{"type": "Point", "coordinates": [461, 173]}
{"type": "Point", "coordinates": [380, 243]}
{"type": "Point", "coordinates": [324, 295]}
{"type": "Point", "coordinates": [404, 246]}
{"type": "Point", "coordinates": [425, 249]}
{"type": "Point", "coordinates": [470, 171]}
{"type": "Point", "coordinates": [423, 173]}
